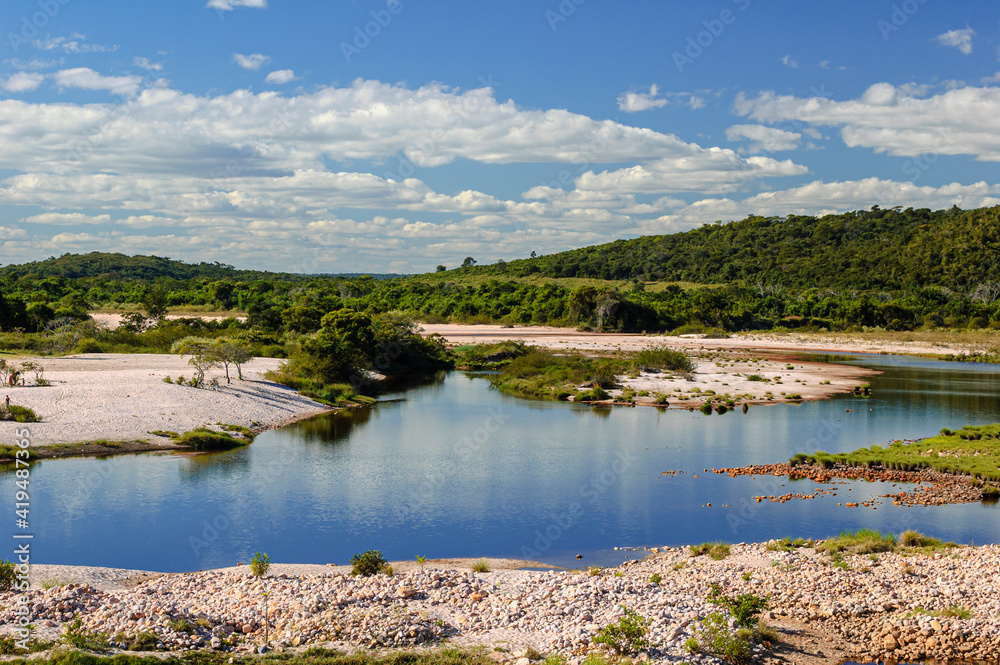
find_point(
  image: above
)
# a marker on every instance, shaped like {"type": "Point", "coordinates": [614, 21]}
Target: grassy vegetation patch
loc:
{"type": "Point", "coordinates": [717, 550]}
{"type": "Point", "coordinates": [541, 374]}
{"type": "Point", "coordinates": [206, 439]}
{"type": "Point", "coordinates": [972, 451]}
{"type": "Point", "coordinates": [19, 414]}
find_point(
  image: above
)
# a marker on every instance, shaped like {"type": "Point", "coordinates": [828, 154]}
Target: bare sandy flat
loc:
{"type": "Point", "coordinates": [568, 338]}
{"type": "Point", "coordinates": [122, 397]}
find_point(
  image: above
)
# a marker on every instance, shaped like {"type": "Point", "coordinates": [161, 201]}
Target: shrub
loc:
{"type": "Point", "coordinates": [716, 638]}
{"type": "Point", "coordinates": [7, 575]}
{"type": "Point", "coordinates": [19, 414]}
{"type": "Point", "coordinates": [745, 608]}
{"type": "Point", "coordinates": [144, 641]}
{"type": "Point", "coordinates": [662, 358]}
{"type": "Point", "coordinates": [595, 394]}
{"type": "Point", "coordinates": [206, 439]}
{"type": "Point", "coordinates": [81, 639]}
{"type": "Point", "coordinates": [656, 579]}
{"type": "Point", "coordinates": [368, 563]}
{"type": "Point", "coordinates": [89, 346]}
{"type": "Point", "coordinates": [481, 566]}
{"type": "Point", "coordinates": [260, 564]}
{"type": "Point", "coordinates": [626, 637]}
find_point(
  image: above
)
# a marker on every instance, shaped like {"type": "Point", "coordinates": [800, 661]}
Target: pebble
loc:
{"type": "Point", "coordinates": [871, 606]}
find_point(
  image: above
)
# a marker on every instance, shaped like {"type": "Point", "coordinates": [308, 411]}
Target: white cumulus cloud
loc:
{"type": "Point", "coordinates": [764, 139]}
{"type": "Point", "coordinates": [147, 65]}
{"type": "Point", "coordinates": [900, 121]}
{"type": "Point", "coordinates": [960, 39]}
{"type": "Point", "coordinates": [87, 79]}
{"type": "Point", "coordinates": [229, 5]}
{"type": "Point", "coordinates": [632, 102]}
{"type": "Point", "coordinates": [23, 82]}
{"type": "Point", "coordinates": [253, 62]}
{"type": "Point", "coordinates": [281, 76]}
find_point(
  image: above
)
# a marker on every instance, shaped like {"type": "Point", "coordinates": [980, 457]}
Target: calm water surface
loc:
{"type": "Point", "coordinates": [454, 468]}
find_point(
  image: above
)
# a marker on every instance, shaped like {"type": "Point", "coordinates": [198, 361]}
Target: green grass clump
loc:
{"type": "Point", "coordinates": [8, 647]}
{"type": "Point", "coordinates": [75, 635]}
{"type": "Point", "coordinates": [862, 541]}
{"type": "Point", "coordinates": [716, 550]}
{"type": "Point", "coordinates": [19, 414]}
{"type": "Point", "coordinates": [787, 545]}
{"type": "Point", "coordinates": [206, 439]}
{"type": "Point", "coordinates": [481, 566]}
{"type": "Point", "coordinates": [954, 612]}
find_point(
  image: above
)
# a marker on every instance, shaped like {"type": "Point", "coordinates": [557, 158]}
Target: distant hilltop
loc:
{"type": "Point", "coordinates": [105, 265]}
{"type": "Point", "coordinates": [874, 249]}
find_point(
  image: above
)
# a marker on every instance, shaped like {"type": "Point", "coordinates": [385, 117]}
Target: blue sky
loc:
{"type": "Point", "coordinates": [395, 135]}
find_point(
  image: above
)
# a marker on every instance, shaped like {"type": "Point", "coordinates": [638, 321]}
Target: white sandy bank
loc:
{"type": "Point", "coordinates": [122, 397]}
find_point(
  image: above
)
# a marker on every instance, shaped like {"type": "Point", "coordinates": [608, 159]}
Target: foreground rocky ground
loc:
{"type": "Point", "coordinates": [892, 606]}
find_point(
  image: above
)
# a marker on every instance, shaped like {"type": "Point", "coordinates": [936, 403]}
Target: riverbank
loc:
{"type": "Point", "coordinates": [94, 399]}
{"type": "Point", "coordinates": [932, 344]}
{"type": "Point", "coordinates": [903, 605]}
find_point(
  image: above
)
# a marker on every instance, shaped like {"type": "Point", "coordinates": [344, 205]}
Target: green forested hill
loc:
{"type": "Point", "coordinates": [104, 265]}
{"type": "Point", "coordinates": [866, 250]}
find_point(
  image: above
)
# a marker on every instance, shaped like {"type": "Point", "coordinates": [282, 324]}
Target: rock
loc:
{"type": "Point", "coordinates": [522, 661]}
{"type": "Point", "coordinates": [406, 592]}
{"type": "Point", "coordinates": [889, 643]}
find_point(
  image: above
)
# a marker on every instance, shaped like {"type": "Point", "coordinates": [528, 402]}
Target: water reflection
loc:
{"type": "Point", "coordinates": [454, 468]}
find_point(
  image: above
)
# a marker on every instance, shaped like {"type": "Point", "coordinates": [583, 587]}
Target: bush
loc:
{"type": "Point", "coordinates": [595, 394]}
{"type": "Point", "coordinates": [259, 564]}
{"type": "Point", "coordinates": [19, 414]}
{"type": "Point", "coordinates": [628, 636]}
{"type": "Point", "coordinates": [481, 566]}
{"type": "Point", "coordinates": [656, 578]}
{"type": "Point", "coordinates": [662, 358]}
{"type": "Point", "coordinates": [715, 638]}
{"type": "Point", "coordinates": [745, 608]}
{"type": "Point", "coordinates": [206, 439]}
{"type": "Point", "coordinates": [144, 641]}
{"type": "Point", "coordinates": [84, 640]}
{"type": "Point", "coordinates": [368, 564]}
{"type": "Point", "coordinates": [7, 575]}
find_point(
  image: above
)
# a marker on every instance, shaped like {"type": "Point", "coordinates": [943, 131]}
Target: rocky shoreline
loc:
{"type": "Point", "coordinates": [930, 487]}
{"type": "Point", "coordinates": [913, 605]}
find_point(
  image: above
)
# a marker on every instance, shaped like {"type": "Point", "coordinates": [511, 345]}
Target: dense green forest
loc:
{"type": "Point", "coordinates": [889, 249]}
